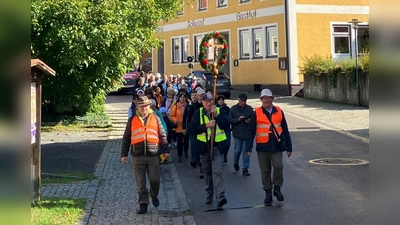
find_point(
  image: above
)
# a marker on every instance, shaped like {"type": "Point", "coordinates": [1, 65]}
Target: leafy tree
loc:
{"type": "Point", "coordinates": [90, 44]}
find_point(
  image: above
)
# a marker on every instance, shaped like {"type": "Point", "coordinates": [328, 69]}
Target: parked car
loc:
{"type": "Point", "coordinates": [205, 79]}
{"type": "Point", "coordinates": [130, 80]}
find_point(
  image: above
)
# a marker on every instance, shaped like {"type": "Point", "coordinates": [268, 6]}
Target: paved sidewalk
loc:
{"type": "Point", "coordinates": [112, 197]}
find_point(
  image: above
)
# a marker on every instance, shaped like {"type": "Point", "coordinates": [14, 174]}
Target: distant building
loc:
{"type": "Point", "coordinates": [268, 38]}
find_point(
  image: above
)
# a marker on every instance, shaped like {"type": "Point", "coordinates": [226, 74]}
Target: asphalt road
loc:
{"type": "Point", "coordinates": [314, 194]}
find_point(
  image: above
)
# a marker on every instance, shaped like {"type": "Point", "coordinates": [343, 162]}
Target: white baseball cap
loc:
{"type": "Point", "coordinates": [266, 92]}
{"type": "Point", "coordinates": [158, 75]}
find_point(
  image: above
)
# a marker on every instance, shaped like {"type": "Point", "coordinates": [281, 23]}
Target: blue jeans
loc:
{"type": "Point", "coordinates": [240, 147]}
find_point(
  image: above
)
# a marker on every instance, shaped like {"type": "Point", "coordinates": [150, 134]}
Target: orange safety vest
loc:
{"type": "Point", "coordinates": [149, 131]}
{"type": "Point", "coordinates": [263, 127]}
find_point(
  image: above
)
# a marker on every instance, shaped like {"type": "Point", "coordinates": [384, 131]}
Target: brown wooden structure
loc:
{"type": "Point", "coordinates": [38, 70]}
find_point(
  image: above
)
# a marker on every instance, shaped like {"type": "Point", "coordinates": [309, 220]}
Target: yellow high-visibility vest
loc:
{"type": "Point", "coordinates": [219, 134]}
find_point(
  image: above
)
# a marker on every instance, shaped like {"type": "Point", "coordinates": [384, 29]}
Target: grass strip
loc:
{"type": "Point", "coordinates": [65, 211]}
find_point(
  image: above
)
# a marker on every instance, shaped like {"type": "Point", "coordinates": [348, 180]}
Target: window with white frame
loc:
{"type": "Point", "coordinates": [258, 42]}
{"type": "Point", "coordinates": [345, 42]}
{"type": "Point", "coordinates": [185, 49]}
{"type": "Point", "coordinates": [341, 39]}
{"type": "Point", "coordinates": [176, 58]}
{"type": "Point", "coordinates": [244, 44]}
{"type": "Point", "coordinates": [197, 41]}
{"type": "Point", "coordinates": [180, 50]}
{"type": "Point", "coordinates": [272, 41]}
{"type": "Point", "coordinates": [222, 3]}
{"type": "Point", "coordinates": [202, 4]}
{"type": "Point", "coordinates": [242, 1]}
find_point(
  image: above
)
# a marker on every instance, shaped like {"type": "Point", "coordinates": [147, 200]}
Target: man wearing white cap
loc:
{"type": "Point", "coordinates": [268, 126]}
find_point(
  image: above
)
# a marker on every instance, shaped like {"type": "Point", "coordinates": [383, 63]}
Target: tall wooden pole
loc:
{"type": "Point", "coordinates": [214, 73]}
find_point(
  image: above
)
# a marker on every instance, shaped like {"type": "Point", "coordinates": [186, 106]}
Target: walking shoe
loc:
{"type": "Point", "coordinates": [268, 197]}
{"type": "Point", "coordinates": [209, 199]}
{"type": "Point", "coordinates": [245, 172]}
{"type": "Point", "coordinates": [201, 176]}
{"type": "Point", "coordinates": [186, 155]}
{"type": "Point", "coordinates": [221, 201]}
{"type": "Point", "coordinates": [278, 193]}
{"type": "Point", "coordinates": [156, 202]}
{"type": "Point", "coordinates": [193, 164]}
{"type": "Point", "coordinates": [179, 158]}
{"type": "Point", "coordinates": [142, 209]}
{"type": "Point", "coordinates": [236, 166]}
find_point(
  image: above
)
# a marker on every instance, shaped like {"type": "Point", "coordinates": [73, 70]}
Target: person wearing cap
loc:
{"type": "Point", "coordinates": [202, 123]}
{"type": "Point", "coordinates": [239, 117]}
{"type": "Point", "coordinates": [144, 132]}
{"type": "Point", "coordinates": [267, 145]}
{"type": "Point", "coordinates": [157, 78]}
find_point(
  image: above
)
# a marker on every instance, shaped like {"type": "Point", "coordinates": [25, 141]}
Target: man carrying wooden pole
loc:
{"type": "Point", "coordinates": [209, 123]}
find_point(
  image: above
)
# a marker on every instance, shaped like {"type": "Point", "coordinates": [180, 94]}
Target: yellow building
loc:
{"type": "Point", "coordinates": [268, 39]}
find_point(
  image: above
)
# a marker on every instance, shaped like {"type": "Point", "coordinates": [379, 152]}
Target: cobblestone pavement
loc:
{"type": "Point", "coordinates": [112, 197]}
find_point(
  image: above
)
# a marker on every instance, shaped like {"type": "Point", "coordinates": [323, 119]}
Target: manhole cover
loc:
{"type": "Point", "coordinates": [339, 161]}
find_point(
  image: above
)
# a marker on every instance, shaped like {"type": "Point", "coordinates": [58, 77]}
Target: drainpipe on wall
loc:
{"type": "Point", "coordinates": [289, 87]}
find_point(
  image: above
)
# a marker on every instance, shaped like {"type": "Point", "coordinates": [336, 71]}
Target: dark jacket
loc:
{"type": "Point", "coordinates": [187, 117]}
{"type": "Point", "coordinates": [226, 109]}
{"type": "Point", "coordinates": [223, 123]}
{"type": "Point", "coordinates": [239, 128]}
{"type": "Point", "coordinates": [168, 123]}
{"type": "Point", "coordinates": [272, 144]}
{"type": "Point", "coordinates": [139, 149]}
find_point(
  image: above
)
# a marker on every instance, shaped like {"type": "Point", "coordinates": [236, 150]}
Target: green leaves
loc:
{"type": "Point", "coordinates": [90, 44]}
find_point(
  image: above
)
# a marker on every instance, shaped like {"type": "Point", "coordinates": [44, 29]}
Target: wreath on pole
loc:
{"type": "Point", "coordinates": [203, 51]}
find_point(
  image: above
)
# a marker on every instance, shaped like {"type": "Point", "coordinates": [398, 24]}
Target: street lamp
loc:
{"type": "Point", "coordinates": [355, 23]}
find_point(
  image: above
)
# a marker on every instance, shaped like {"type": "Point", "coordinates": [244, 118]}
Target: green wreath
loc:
{"type": "Point", "coordinates": [203, 51]}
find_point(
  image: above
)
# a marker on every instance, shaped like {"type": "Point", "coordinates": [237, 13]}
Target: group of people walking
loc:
{"type": "Point", "coordinates": [192, 117]}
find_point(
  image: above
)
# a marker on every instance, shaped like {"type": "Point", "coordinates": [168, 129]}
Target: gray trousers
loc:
{"type": "Point", "coordinates": [265, 160]}
{"type": "Point", "coordinates": [151, 166]}
{"type": "Point", "coordinates": [212, 171]}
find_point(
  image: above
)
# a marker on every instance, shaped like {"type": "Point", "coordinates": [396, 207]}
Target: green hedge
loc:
{"type": "Point", "coordinates": [318, 66]}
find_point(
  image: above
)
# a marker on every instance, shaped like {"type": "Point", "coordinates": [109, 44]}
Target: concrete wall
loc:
{"type": "Point", "coordinates": [322, 89]}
